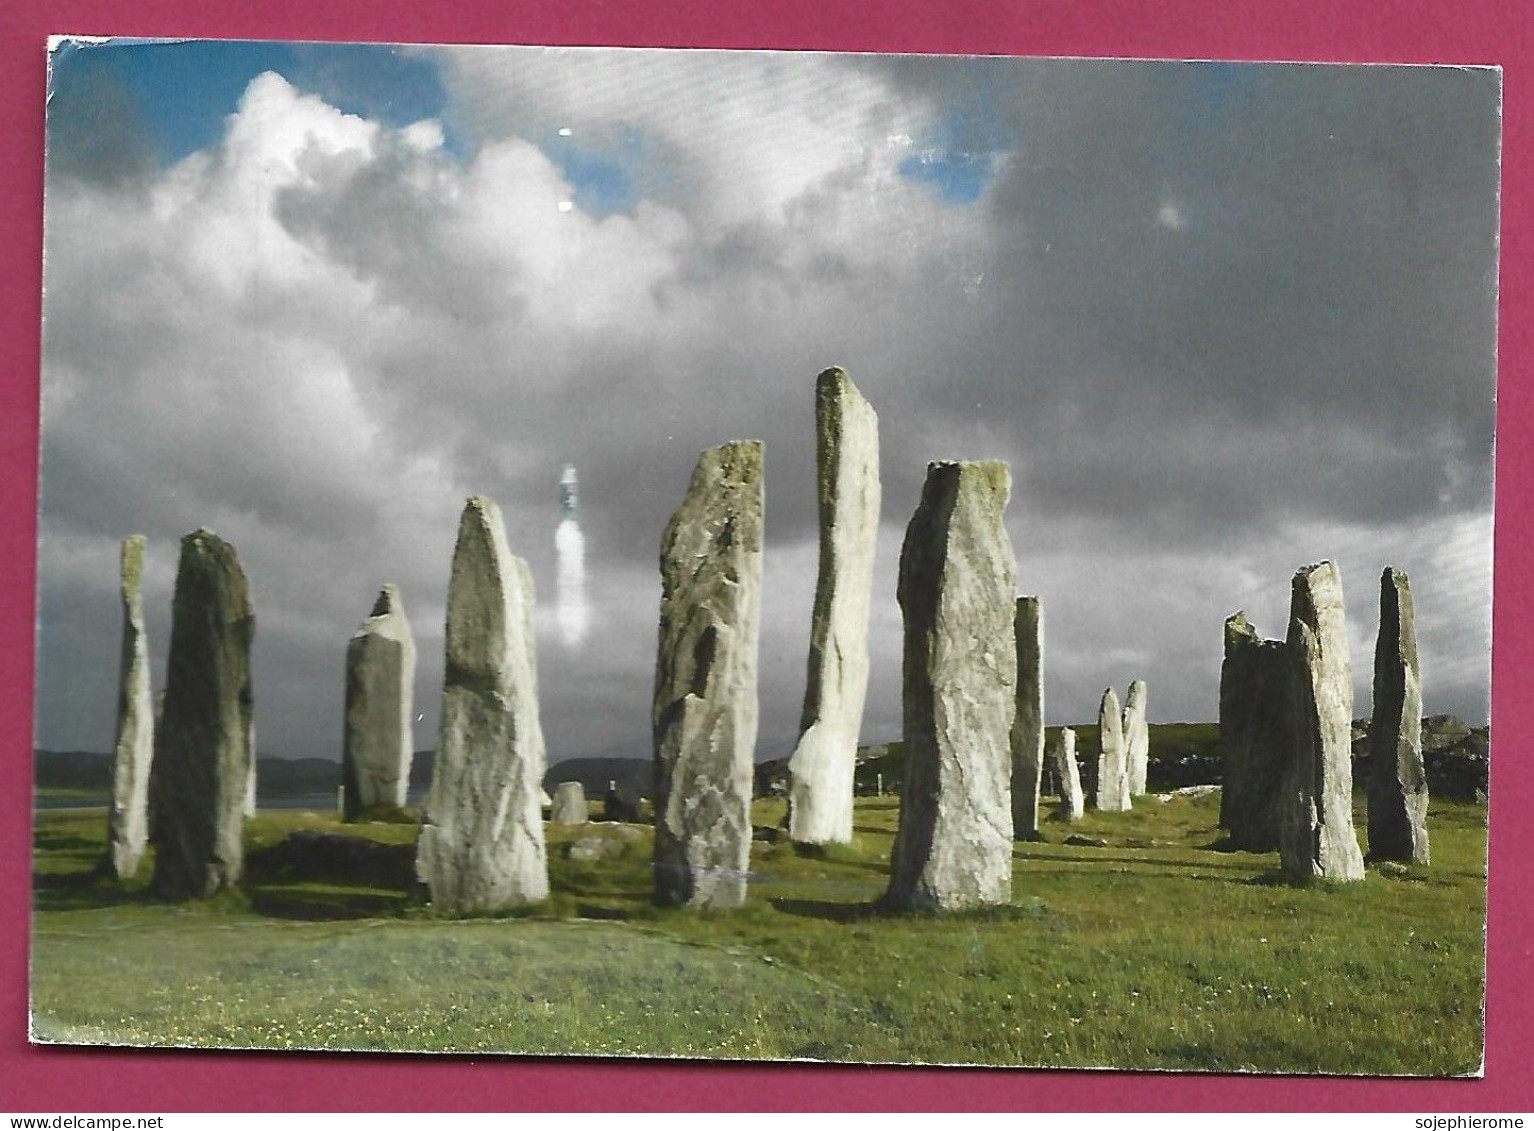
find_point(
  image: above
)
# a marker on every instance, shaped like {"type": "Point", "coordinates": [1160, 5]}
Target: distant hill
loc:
{"type": "Point", "coordinates": [1181, 754]}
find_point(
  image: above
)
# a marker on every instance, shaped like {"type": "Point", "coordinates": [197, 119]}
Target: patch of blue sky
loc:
{"type": "Point", "coordinates": [960, 160]}
{"type": "Point", "coordinates": [604, 175]}
{"type": "Point", "coordinates": [185, 89]}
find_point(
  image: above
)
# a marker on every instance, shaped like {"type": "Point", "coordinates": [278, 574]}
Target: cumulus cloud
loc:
{"type": "Point", "coordinates": [1220, 325]}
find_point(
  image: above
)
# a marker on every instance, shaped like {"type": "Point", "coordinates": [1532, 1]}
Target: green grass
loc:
{"type": "Point", "coordinates": [1157, 951]}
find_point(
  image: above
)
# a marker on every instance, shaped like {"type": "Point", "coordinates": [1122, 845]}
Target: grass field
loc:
{"type": "Point", "coordinates": [1154, 951]}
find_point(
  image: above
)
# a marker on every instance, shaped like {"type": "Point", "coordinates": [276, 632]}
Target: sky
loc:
{"type": "Point", "coordinates": [1222, 320]}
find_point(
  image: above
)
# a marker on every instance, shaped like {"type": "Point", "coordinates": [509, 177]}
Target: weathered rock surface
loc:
{"type": "Point", "coordinates": [128, 817]}
{"type": "Point", "coordinates": [380, 680]}
{"type": "Point", "coordinates": [203, 752]}
{"type": "Point", "coordinates": [1112, 758]}
{"type": "Point", "coordinates": [481, 846]}
{"type": "Point", "coordinates": [603, 842]}
{"type": "Point", "coordinates": [1136, 737]}
{"type": "Point", "coordinates": [953, 848]}
{"type": "Point", "coordinates": [1397, 781]}
{"type": "Point", "coordinates": [1068, 774]}
{"type": "Point", "coordinates": [1316, 838]}
{"type": "Point", "coordinates": [1256, 721]}
{"type": "Point", "coordinates": [847, 464]}
{"type": "Point", "coordinates": [569, 806]}
{"type": "Point", "coordinates": [704, 715]}
{"type": "Point", "coordinates": [1028, 723]}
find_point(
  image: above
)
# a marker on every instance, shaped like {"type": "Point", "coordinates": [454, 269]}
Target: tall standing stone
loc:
{"type": "Point", "coordinates": [1316, 838]}
{"type": "Point", "coordinates": [481, 846]}
{"type": "Point", "coordinates": [1397, 779]}
{"type": "Point", "coordinates": [1256, 721]}
{"type": "Point", "coordinates": [1136, 738]}
{"type": "Point", "coordinates": [1028, 724]}
{"type": "Point", "coordinates": [847, 466]}
{"type": "Point", "coordinates": [380, 677]}
{"type": "Point", "coordinates": [128, 818]}
{"type": "Point", "coordinates": [203, 750]}
{"type": "Point", "coordinates": [569, 807]}
{"type": "Point", "coordinates": [1112, 758]}
{"type": "Point", "coordinates": [1072, 805]}
{"type": "Point", "coordinates": [953, 848]}
{"type": "Point", "coordinates": [704, 714]}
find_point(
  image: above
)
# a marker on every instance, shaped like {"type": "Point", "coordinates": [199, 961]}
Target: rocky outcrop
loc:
{"type": "Point", "coordinates": [569, 806]}
{"type": "Point", "coordinates": [203, 753]}
{"type": "Point", "coordinates": [1068, 774]}
{"type": "Point", "coordinates": [380, 679]}
{"type": "Point", "coordinates": [1256, 720]}
{"type": "Point", "coordinates": [1112, 758]}
{"type": "Point", "coordinates": [1028, 724]}
{"type": "Point", "coordinates": [953, 847]}
{"type": "Point", "coordinates": [1397, 780]}
{"type": "Point", "coordinates": [128, 817]}
{"type": "Point", "coordinates": [847, 463]}
{"type": "Point", "coordinates": [481, 846]}
{"type": "Point", "coordinates": [1136, 738]}
{"type": "Point", "coordinates": [704, 715]}
{"type": "Point", "coordinates": [1316, 838]}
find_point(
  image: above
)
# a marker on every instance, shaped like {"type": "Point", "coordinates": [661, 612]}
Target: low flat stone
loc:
{"type": "Point", "coordinates": [569, 806]}
{"type": "Point", "coordinates": [1080, 841]}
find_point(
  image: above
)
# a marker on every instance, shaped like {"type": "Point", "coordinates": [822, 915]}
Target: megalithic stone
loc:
{"type": "Point", "coordinates": [953, 847]}
{"type": "Point", "coordinates": [1112, 758]}
{"type": "Point", "coordinates": [380, 677]}
{"type": "Point", "coordinates": [1256, 721]}
{"type": "Point", "coordinates": [1316, 838]}
{"type": "Point", "coordinates": [1136, 738]}
{"type": "Point", "coordinates": [1072, 805]}
{"type": "Point", "coordinates": [569, 806]}
{"type": "Point", "coordinates": [1397, 778]}
{"type": "Point", "coordinates": [847, 466]}
{"type": "Point", "coordinates": [128, 818]}
{"type": "Point", "coordinates": [249, 807]}
{"type": "Point", "coordinates": [704, 715]}
{"type": "Point", "coordinates": [203, 747]}
{"type": "Point", "coordinates": [1028, 723]}
{"type": "Point", "coordinates": [481, 846]}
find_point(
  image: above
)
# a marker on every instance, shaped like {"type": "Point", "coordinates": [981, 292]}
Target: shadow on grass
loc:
{"type": "Point", "coordinates": [854, 912]}
{"type": "Point", "coordinates": [327, 905]}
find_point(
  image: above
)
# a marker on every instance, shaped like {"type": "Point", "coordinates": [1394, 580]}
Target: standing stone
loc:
{"type": "Point", "coordinates": [481, 846]}
{"type": "Point", "coordinates": [1397, 778]}
{"type": "Point", "coordinates": [1028, 725]}
{"type": "Point", "coordinates": [705, 709]}
{"type": "Point", "coordinates": [953, 848]}
{"type": "Point", "coordinates": [1136, 738]}
{"type": "Point", "coordinates": [1316, 838]}
{"type": "Point", "coordinates": [380, 676]}
{"type": "Point", "coordinates": [1072, 805]}
{"type": "Point", "coordinates": [128, 818]}
{"type": "Point", "coordinates": [1112, 759]}
{"type": "Point", "coordinates": [1256, 721]}
{"type": "Point", "coordinates": [569, 806]}
{"type": "Point", "coordinates": [249, 808]}
{"type": "Point", "coordinates": [203, 751]}
{"type": "Point", "coordinates": [847, 465]}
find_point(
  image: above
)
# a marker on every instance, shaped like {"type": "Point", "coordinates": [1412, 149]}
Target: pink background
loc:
{"type": "Point", "coordinates": [83, 1080]}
